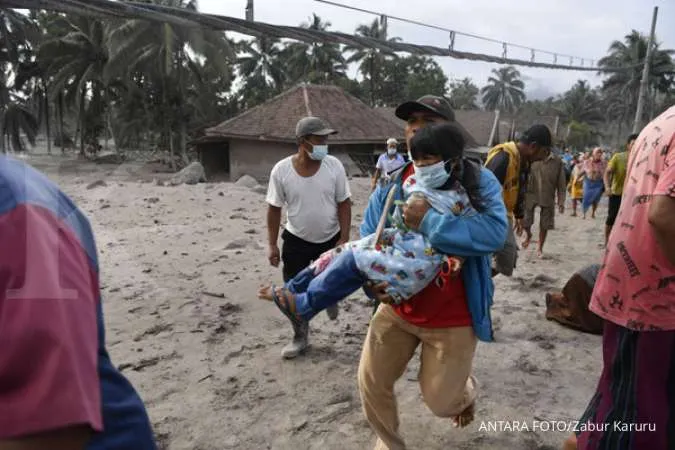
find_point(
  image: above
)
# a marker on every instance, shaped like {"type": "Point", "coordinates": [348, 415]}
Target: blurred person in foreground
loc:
{"type": "Point", "coordinates": [635, 295]}
{"type": "Point", "coordinates": [59, 390]}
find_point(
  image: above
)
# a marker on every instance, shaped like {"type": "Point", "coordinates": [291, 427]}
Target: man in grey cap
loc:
{"type": "Point", "coordinates": [313, 187]}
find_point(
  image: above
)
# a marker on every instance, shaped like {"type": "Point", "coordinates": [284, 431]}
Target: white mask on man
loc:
{"type": "Point", "coordinates": [391, 151]}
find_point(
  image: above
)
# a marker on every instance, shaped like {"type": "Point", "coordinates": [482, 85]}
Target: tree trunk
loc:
{"type": "Point", "coordinates": [183, 143]}
{"type": "Point", "coordinates": [372, 81]}
{"type": "Point", "coordinates": [82, 120]}
{"type": "Point", "coordinates": [59, 107]}
{"type": "Point", "coordinates": [47, 117]}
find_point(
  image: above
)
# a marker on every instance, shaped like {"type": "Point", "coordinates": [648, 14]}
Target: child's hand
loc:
{"type": "Point", "coordinates": [414, 211]}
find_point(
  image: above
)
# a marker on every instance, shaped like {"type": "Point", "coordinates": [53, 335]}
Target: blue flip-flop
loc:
{"type": "Point", "coordinates": [285, 308]}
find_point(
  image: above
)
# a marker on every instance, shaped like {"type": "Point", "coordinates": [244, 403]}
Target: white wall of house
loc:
{"type": "Point", "coordinates": [256, 158]}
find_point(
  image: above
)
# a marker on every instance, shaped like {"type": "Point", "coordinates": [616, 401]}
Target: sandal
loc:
{"type": "Point", "coordinates": [285, 307]}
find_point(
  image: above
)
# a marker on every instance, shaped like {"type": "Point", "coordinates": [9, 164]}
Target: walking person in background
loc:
{"type": "Point", "coordinates": [576, 184]}
{"type": "Point", "coordinates": [510, 163]}
{"type": "Point", "coordinates": [546, 184]}
{"type": "Point", "coordinates": [388, 162]}
{"type": "Point", "coordinates": [594, 172]}
{"type": "Point", "coordinates": [635, 295]}
{"type": "Point", "coordinates": [615, 176]}
{"type": "Point", "coordinates": [314, 188]}
{"type": "Point", "coordinates": [59, 389]}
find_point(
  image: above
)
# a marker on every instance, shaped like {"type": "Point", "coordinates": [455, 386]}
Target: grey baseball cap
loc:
{"type": "Point", "coordinates": [312, 126]}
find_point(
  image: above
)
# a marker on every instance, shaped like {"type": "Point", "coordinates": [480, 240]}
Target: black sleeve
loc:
{"type": "Point", "coordinates": [519, 211]}
{"type": "Point", "coordinates": [499, 165]}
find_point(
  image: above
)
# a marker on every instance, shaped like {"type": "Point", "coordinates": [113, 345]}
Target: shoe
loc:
{"type": "Point", "coordinates": [332, 312]}
{"type": "Point", "coordinates": [299, 344]}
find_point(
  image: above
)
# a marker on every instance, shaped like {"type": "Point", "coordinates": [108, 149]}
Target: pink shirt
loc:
{"type": "Point", "coordinates": [636, 285]}
{"type": "Point", "coordinates": [595, 169]}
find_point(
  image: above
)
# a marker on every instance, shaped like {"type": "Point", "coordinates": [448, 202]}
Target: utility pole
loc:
{"type": "Point", "coordinates": [249, 10]}
{"type": "Point", "coordinates": [644, 83]}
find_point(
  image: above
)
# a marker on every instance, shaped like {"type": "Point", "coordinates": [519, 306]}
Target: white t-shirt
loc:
{"type": "Point", "coordinates": [387, 165]}
{"type": "Point", "coordinates": [311, 202]}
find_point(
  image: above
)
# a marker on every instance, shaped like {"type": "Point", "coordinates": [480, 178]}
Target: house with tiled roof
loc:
{"type": "Point", "coordinates": [252, 142]}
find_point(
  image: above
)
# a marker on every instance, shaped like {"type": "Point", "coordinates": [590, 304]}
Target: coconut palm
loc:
{"type": "Point", "coordinates": [17, 32]}
{"type": "Point", "coordinates": [504, 91]}
{"type": "Point", "coordinates": [371, 60]}
{"type": "Point", "coordinates": [75, 59]}
{"type": "Point", "coordinates": [165, 62]}
{"type": "Point", "coordinates": [622, 88]}
{"type": "Point", "coordinates": [317, 62]}
{"type": "Point", "coordinates": [581, 104]}
{"type": "Point", "coordinates": [262, 69]}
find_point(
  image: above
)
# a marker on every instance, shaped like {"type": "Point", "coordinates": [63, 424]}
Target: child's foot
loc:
{"type": "Point", "coordinates": [465, 417]}
{"type": "Point", "coordinates": [285, 301]}
{"type": "Point", "coordinates": [540, 252]}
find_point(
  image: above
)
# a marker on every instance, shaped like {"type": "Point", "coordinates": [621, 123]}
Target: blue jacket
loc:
{"type": "Point", "coordinates": [474, 237]}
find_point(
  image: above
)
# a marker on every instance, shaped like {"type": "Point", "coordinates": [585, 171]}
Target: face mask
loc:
{"type": "Point", "coordinates": [391, 151]}
{"type": "Point", "coordinates": [433, 176]}
{"type": "Point", "coordinates": [318, 152]}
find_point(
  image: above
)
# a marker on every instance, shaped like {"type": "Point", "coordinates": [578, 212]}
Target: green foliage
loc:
{"type": "Point", "coordinates": [581, 135]}
{"type": "Point", "coordinates": [504, 91]}
{"type": "Point", "coordinates": [464, 94]}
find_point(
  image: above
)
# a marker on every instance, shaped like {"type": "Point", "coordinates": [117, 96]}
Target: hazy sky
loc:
{"type": "Point", "coordinates": [582, 28]}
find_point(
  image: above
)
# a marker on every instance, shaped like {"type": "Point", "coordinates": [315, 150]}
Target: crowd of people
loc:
{"type": "Point", "coordinates": [437, 230]}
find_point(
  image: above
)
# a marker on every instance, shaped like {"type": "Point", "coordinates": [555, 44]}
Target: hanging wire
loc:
{"type": "Point", "coordinates": [187, 18]}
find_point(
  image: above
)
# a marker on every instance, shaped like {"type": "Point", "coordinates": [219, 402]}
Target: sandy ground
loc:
{"type": "Point", "coordinates": [180, 267]}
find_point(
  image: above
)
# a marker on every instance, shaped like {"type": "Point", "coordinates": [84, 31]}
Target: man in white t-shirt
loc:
{"type": "Point", "coordinates": [388, 162]}
{"type": "Point", "coordinates": [313, 187]}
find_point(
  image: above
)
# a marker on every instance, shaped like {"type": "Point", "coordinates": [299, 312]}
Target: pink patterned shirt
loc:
{"type": "Point", "coordinates": [636, 285]}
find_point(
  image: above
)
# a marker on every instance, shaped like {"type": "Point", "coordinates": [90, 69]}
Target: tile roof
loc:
{"type": "Point", "coordinates": [275, 119]}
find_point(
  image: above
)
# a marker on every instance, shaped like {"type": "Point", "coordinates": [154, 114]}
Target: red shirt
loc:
{"type": "Point", "coordinates": [442, 304]}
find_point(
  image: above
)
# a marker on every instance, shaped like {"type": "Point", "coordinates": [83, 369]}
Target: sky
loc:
{"type": "Point", "coordinates": [581, 28]}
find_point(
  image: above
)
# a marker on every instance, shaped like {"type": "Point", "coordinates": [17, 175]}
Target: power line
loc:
{"type": "Point", "coordinates": [187, 18]}
{"type": "Point", "coordinates": [461, 33]}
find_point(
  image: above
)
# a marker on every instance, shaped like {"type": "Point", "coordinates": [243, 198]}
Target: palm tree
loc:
{"type": "Point", "coordinates": [464, 94]}
{"type": "Point", "coordinates": [262, 69]}
{"type": "Point", "coordinates": [504, 90]}
{"type": "Point", "coordinates": [316, 62]}
{"type": "Point", "coordinates": [622, 88]}
{"type": "Point", "coordinates": [581, 104]}
{"type": "Point", "coordinates": [75, 60]}
{"type": "Point", "coordinates": [17, 32]}
{"type": "Point", "coordinates": [371, 60]}
{"type": "Point", "coordinates": [164, 61]}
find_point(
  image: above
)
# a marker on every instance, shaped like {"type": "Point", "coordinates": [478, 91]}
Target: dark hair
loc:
{"type": "Point", "coordinates": [632, 137]}
{"type": "Point", "coordinates": [446, 140]}
{"type": "Point", "coordinates": [439, 139]}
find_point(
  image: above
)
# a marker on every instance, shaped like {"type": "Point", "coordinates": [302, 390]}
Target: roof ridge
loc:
{"type": "Point", "coordinates": [255, 108]}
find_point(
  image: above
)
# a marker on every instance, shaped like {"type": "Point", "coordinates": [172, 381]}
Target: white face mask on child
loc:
{"type": "Point", "coordinates": [432, 176]}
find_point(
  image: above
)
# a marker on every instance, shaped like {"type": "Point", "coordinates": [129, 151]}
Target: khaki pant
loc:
{"type": "Point", "coordinates": [444, 376]}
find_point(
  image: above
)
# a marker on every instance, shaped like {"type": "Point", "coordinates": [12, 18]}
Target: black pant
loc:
{"type": "Point", "coordinates": [297, 254]}
{"type": "Point", "coordinates": [613, 209]}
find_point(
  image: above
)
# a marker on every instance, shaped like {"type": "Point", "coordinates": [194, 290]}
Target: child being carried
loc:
{"type": "Point", "coordinates": [401, 257]}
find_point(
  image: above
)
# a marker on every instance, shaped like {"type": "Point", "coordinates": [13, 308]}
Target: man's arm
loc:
{"type": "Point", "coordinates": [519, 210]}
{"type": "Point", "coordinates": [273, 224]}
{"type": "Point", "coordinates": [562, 185]}
{"type": "Point", "coordinates": [609, 173]}
{"type": "Point", "coordinates": [477, 235]}
{"type": "Point", "coordinates": [71, 438]}
{"type": "Point", "coordinates": [499, 165]}
{"type": "Point", "coordinates": [373, 212]}
{"type": "Point", "coordinates": [344, 211]}
{"type": "Point", "coordinates": [662, 219]}
{"type": "Point", "coordinates": [661, 213]}
{"type": "Point", "coordinates": [50, 394]}
{"type": "Point", "coordinates": [376, 177]}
